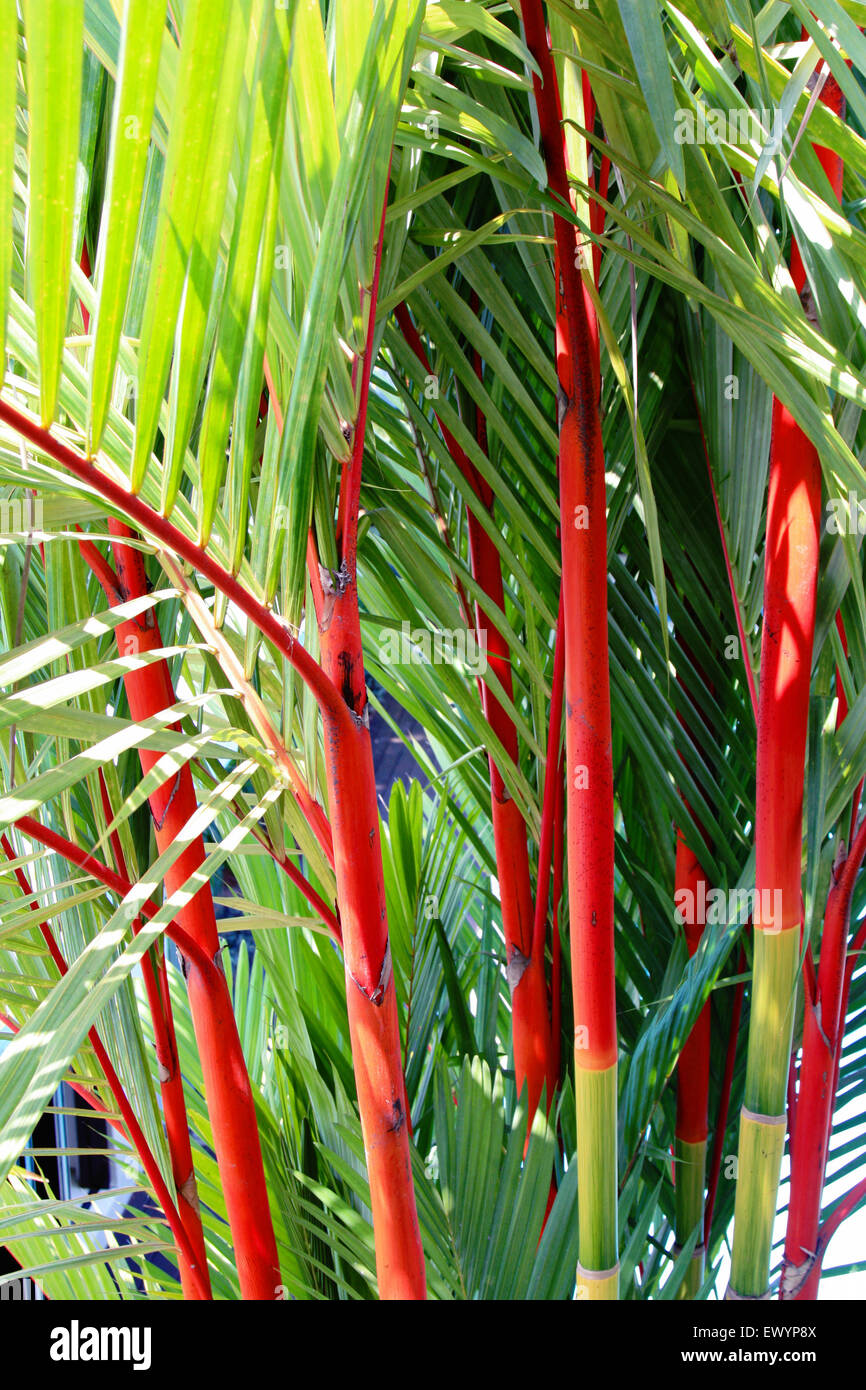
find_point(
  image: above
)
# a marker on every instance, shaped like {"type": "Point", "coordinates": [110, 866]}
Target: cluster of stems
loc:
{"type": "Point", "coordinates": [578, 780]}
{"type": "Point", "coordinates": [370, 986]}
{"type": "Point", "coordinates": [183, 1219]}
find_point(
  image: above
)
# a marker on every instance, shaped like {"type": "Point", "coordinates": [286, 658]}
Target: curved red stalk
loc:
{"type": "Point", "coordinates": [233, 1113]}
{"type": "Point", "coordinates": [195, 1274]}
{"type": "Point", "coordinates": [102, 569]}
{"type": "Point", "coordinates": [822, 1039]}
{"type": "Point", "coordinates": [170, 1080]}
{"type": "Point", "coordinates": [172, 539]}
{"type": "Point", "coordinates": [206, 983]}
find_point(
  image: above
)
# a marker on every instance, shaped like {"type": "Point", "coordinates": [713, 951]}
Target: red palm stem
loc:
{"type": "Point", "coordinates": [583, 522]}
{"type": "Point", "coordinates": [170, 1078]}
{"type": "Point", "coordinates": [370, 993]}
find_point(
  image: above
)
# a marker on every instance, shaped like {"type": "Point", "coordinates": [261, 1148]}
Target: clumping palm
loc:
{"type": "Point", "coordinates": [434, 648]}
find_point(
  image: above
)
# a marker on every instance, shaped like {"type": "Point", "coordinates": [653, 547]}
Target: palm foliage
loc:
{"type": "Point", "coordinates": [198, 280]}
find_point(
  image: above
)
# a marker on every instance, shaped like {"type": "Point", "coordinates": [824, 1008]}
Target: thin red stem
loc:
{"type": "Point", "coordinates": [823, 1027]}
{"type": "Point", "coordinates": [84, 1092]}
{"type": "Point", "coordinates": [309, 892]}
{"type": "Point", "coordinates": [172, 539]}
{"type": "Point", "coordinates": [82, 859]}
{"type": "Point", "coordinates": [524, 967]}
{"type": "Point", "coordinates": [197, 1276]}
{"type": "Point", "coordinates": [102, 569]}
{"type": "Point", "coordinates": [171, 1081]}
